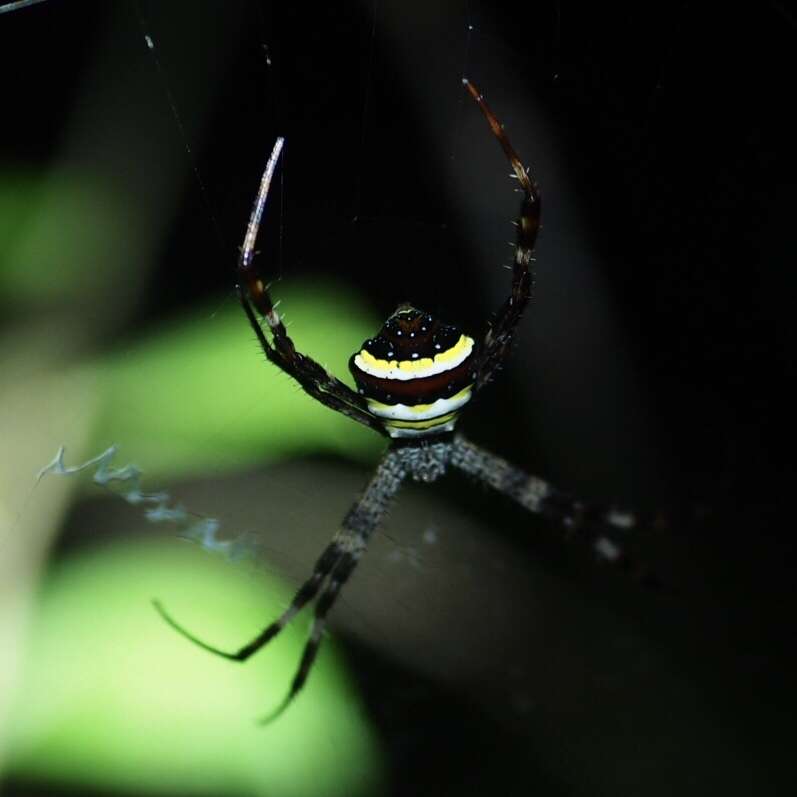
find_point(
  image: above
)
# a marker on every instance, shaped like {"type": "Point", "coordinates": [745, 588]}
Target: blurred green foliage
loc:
{"type": "Point", "coordinates": [113, 699]}
{"type": "Point", "coordinates": [195, 393]}
{"type": "Point", "coordinates": [199, 394]}
{"type": "Point", "coordinates": [54, 229]}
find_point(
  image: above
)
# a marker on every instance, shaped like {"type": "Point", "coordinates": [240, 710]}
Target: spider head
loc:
{"type": "Point", "coordinates": [415, 373]}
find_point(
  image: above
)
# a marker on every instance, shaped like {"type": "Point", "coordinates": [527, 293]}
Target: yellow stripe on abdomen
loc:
{"type": "Point", "coordinates": [415, 369]}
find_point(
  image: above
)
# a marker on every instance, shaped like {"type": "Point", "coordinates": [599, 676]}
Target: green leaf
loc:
{"type": "Point", "coordinates": [200, 395]}
{"type": "Point", "coordinates": [114, 699]}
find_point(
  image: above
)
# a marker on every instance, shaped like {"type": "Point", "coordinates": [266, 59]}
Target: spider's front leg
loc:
{"type": "Point", "coordinates": [253, 293]}
{"type": "Point", "coordinates": [497, 342]}
{"type": "Point", "coordinates": [600, 527]}
{"type": "Point", "coordinates": [332, 570]}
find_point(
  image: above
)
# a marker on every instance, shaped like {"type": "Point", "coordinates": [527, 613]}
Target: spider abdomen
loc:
{"type": "Point", "coordinates": [416, 374]}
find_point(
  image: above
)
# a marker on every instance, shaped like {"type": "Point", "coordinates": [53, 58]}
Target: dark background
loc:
{"type": "Point", "coordinates": [662, 136]}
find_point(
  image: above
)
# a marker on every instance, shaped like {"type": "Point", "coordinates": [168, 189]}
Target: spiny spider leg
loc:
{"type": "Point", "coordinates": [496, 345]}
{"type": "Point", "coordinates": [332, 570]}
{"type": "Point", "coordinates": [601, 527]}
{"type": "Point", "coordinates": [359, 524]}
{"type": "Point", "coordinates": [314, 378]}
{"type": "Point", "coordinates": [338, 577]}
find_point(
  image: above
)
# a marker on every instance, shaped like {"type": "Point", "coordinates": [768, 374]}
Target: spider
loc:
{"type": "Point", "coordinates": [414, 378]}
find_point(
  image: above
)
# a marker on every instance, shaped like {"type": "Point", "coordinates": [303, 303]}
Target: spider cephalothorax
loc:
{"type": "Point", "coordinates": [413, 378]}
{"type": "Point", "coordinates": [416, 374]}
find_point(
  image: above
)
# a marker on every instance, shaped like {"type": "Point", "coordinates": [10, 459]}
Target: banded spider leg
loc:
{"type": "Point", "coordinates": [331, 571]}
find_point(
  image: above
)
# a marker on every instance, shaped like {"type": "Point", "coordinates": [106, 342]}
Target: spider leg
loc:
{"type": "Point", "coordinates": [326, 562]}
{"type": "Point", "coordinates": [496, 345]}
{"type": "Point", "coordinates": [359, 524]}
{"type": "Point", "coordinates": [323, 605]}
{"type": "Point", "coordinates": [332, 570]}
{"type": "Point", "coordinates": [281, 351]}
{"type": "Point", "coordinates": [600, 527]}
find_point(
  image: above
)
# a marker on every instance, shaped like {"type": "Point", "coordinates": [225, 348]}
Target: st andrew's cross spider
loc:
{"type": "Point", "coordinates": [414, 378]}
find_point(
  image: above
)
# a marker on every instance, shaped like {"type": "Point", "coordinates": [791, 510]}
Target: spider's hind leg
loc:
{"type": "Point", "coordinates": [337, 578]}
{"type": "Point", "coordinates": [331, 571]}
{"type": "Point", "coordinates": [604, 529]}
{"type": "Point", "coordinates": [323, 567]}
